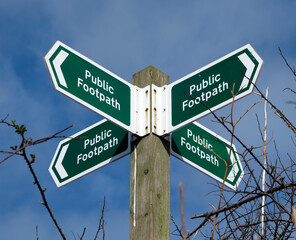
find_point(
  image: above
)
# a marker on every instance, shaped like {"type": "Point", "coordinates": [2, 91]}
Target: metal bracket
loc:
{"type": "Point", "coordinates": [159, 110]}
{"type": "Point", "coordinates": [142, 110]}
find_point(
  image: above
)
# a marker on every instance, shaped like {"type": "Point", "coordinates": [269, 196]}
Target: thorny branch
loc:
{"type": "Point", "coordinates": [240, 211]}
{"type": "Point", "coordinates": [29, 142]}
{"type": "Point", "coordinates": [228, 162]}
{"type": "Point", "coordinates": [21, 151]}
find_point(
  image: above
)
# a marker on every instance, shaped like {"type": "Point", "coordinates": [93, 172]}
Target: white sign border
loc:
{"type": "Point", "coordinates": [53, 49]}
{"type": "Point", "coordinates": [102, 164]}
{"type": "Point", "coordinates": [171, 128]}
{"type": "Point", "coordinates": [204, 170]}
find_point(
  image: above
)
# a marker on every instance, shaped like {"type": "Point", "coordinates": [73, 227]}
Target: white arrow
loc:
{"type": "Point", "coordinates": [59, 167]}
{"type": "Point", "coordinates": [57, 62]}
{"type": "Point", "coordinates": [234, 171]}
{"type": "Point", "coordinates": [244, 58]}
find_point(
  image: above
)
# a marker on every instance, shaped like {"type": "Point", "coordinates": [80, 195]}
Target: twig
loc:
{"type": "Point", "coordinates": [290, 90]}
{"type": "Point", "coordinates": [265, 163]}
{"type": "Point", "coordinates": [22, 152]}
{"type": "Point", "coordinates": [294, 216]}
{"type": "Point", "coordinates": [84, 229]}
{"type": "Point", "coordinates": [182, 212]}
{"type": "Point", "coordinates": [292, 69]}
{"type": "Point", "coordinates": [228, 162]}
{"type": "Point", "coordinates": [37, 235]}
{"type": "Point", "coordinates": [176, 226]}
{"type": "Point", "coordinates": [249, 199]}
{"type": "Point", "coordinates": [101, 221]}
{"type": "Point", "coordinates": [277, 111]}
{"type": "Point", "coordinates": [28, 143]}
{"type": "Point", "coordinates": [41, 190]}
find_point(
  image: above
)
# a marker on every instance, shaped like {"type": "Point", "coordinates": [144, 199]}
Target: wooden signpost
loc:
{"type": "Point", "coordinates": [149, 108]}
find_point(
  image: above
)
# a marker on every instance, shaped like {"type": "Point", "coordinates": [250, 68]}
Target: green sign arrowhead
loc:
{"type": "Point", "coordinates": [90, 84]}
{"type": "Point", "coordinates": [211, 86]}
{"type": "Point", "coordinates": [88, 150]}
{"type": "Point", "coordinates": [207, 152]}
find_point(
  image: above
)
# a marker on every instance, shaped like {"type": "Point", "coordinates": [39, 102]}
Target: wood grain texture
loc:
{"type": "Point", "coordinates": [150, 186]}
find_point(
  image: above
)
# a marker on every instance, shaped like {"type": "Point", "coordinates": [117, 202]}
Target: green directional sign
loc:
{"type": "Point", "coordinates": [208, 152]}
{"type": "Point", "coordinates": [88, 83]}
{"type": "Point", "coordinates": [210, 87]}
{"type": "Point", "coordinates": [88, 150]}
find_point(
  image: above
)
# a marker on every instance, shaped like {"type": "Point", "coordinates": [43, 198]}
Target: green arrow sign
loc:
{"type": "Point", "coordinates": [208, 152]}
{"type": "Point", "coordinates": [90, 84]}
{"type": "Point", "coordinates": [210, 87]}
{"type": "Point", "coordinates": [88, 150]}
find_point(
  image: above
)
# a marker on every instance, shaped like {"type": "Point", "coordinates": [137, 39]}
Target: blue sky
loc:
{"type": "Point", "coordinates": [178, 37]}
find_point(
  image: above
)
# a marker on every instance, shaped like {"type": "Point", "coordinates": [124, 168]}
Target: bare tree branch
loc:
{"type": "Point", "coordinates": [21, 151]}
{"type": "Point", "coordinates": [102, 221]}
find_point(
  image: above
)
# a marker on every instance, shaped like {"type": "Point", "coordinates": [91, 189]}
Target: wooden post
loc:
{"type": "Point", "coordinates": [150, 175]}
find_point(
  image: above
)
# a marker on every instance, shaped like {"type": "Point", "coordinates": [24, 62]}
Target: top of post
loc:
{"type": "Point", "coordinates": [150, 75]}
